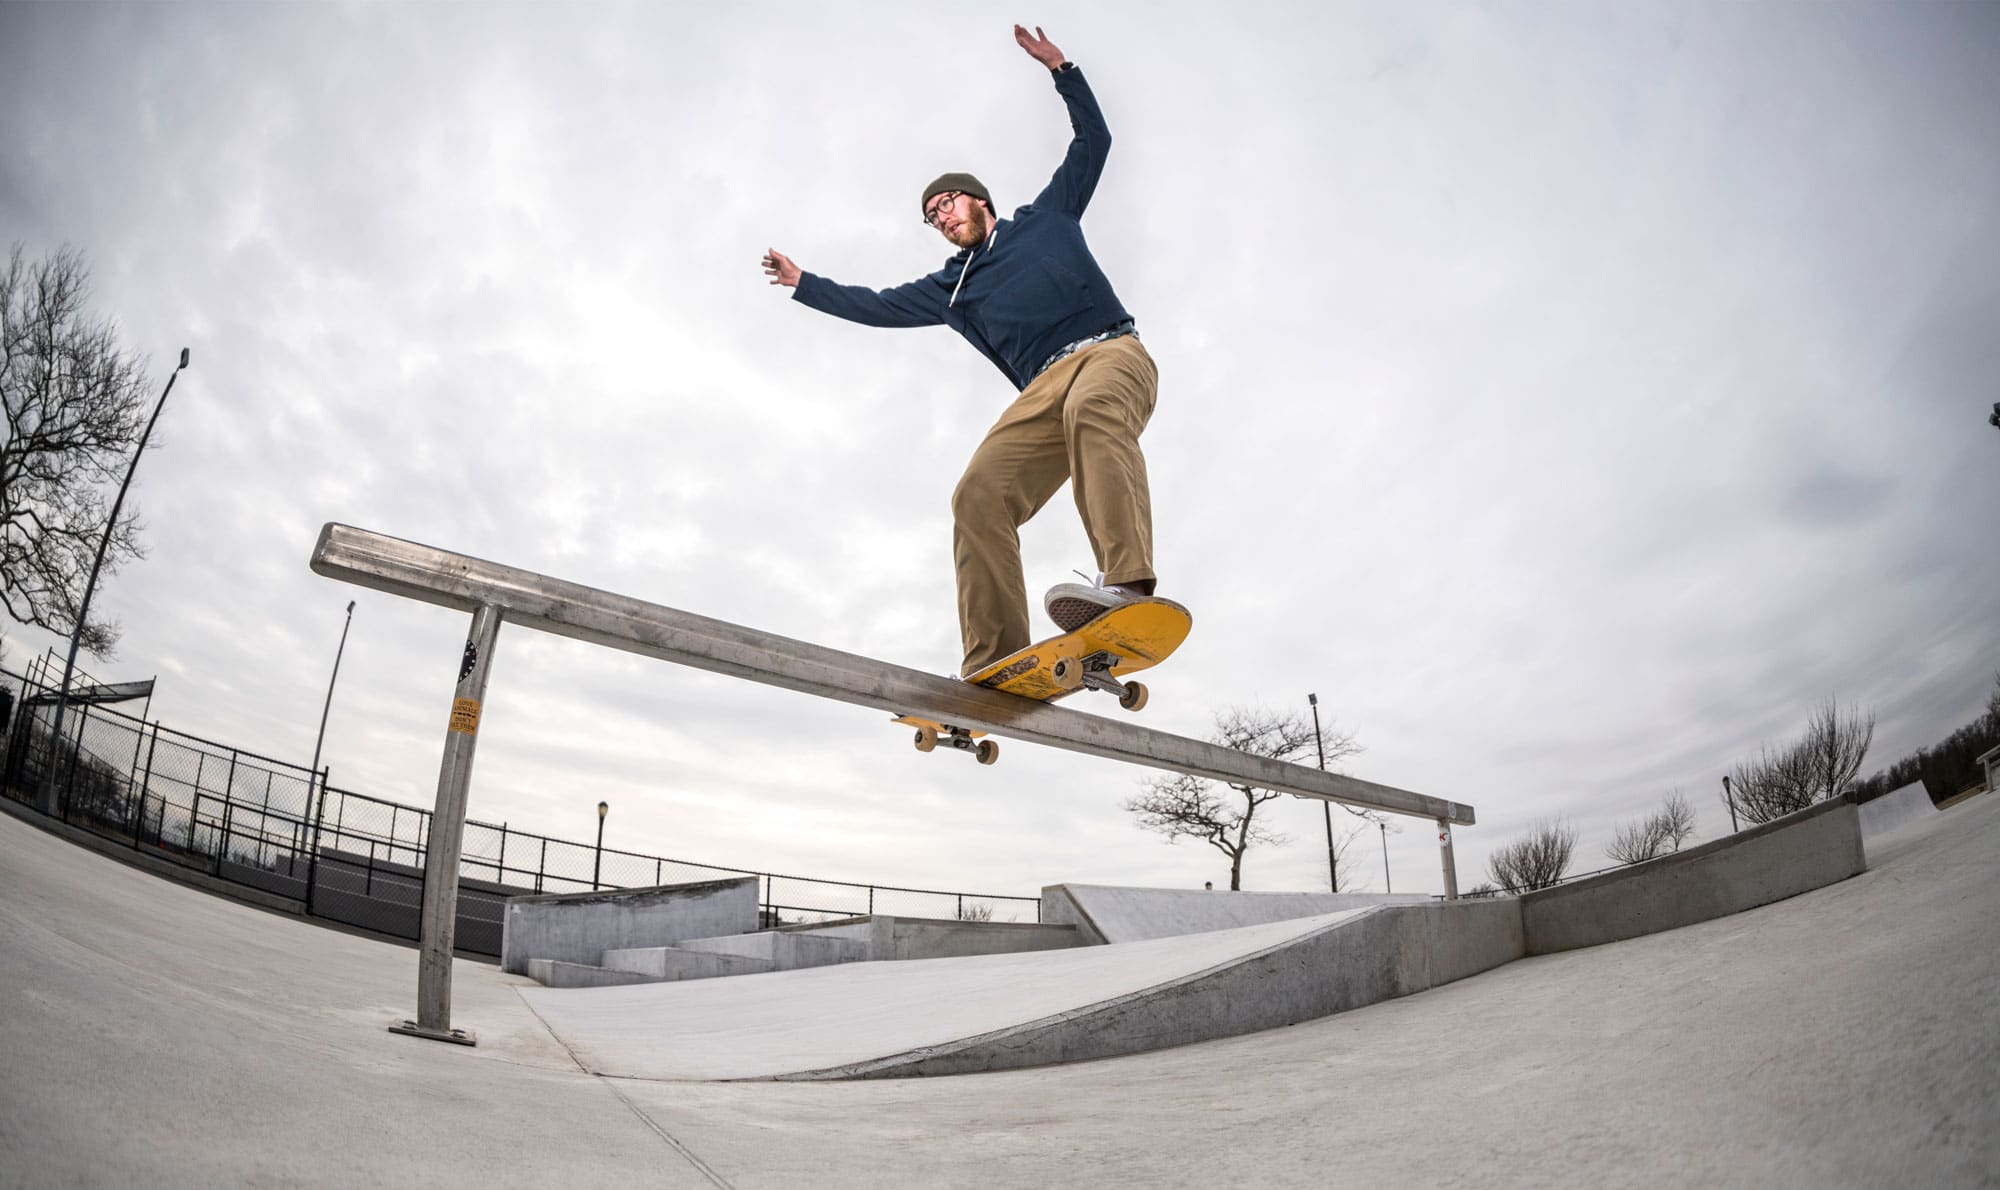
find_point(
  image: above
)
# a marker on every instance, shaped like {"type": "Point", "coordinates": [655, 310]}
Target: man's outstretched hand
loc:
{"type": "Point", "coordinates": [780, 269]}
{"type": "Point", "coordinates": [1040, 48]}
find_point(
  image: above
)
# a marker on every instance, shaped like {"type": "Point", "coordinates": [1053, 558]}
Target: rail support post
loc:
{"type": "Point", "coordinates": [1450, 864]}
{"type": "Point", "coordinates": [447, 835]}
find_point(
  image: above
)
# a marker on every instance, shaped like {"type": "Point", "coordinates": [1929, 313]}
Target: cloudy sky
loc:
{"type": "Point", "coordinates": [1571, 395]}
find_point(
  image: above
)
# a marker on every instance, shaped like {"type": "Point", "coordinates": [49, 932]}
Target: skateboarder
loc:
{"type": "Point", "coordinates": [1026, 292]}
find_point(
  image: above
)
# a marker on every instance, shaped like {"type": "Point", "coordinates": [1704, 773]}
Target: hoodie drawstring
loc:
{"type": "Point", "coordinates": [990, 238]}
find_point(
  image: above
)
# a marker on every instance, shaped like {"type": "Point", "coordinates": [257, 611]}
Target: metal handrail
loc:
{"type": "Point", "coordinates": [495, 595]}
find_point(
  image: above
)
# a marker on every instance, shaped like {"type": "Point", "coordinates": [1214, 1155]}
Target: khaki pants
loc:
{"type": "Point", "coordinates": [1080, 420]}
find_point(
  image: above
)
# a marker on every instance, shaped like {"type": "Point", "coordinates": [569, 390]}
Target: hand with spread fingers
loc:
{"type": "Point", "coordinates": [1039, 47]}
{"type": "Point", "coordinates": [780, 269]}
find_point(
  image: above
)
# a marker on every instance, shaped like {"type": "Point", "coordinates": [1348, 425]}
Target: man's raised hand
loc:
{"type": "Point", "coordinates": [1040, 48]}
{"type": "Point", "coordinates": [780, 269]}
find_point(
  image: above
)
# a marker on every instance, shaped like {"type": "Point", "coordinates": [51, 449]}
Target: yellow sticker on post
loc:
{"type": "Point", "coordinates": [465, 715]}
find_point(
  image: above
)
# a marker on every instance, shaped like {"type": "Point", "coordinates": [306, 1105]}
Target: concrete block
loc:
{"type": "Point", "coordinates": [785, 950]}
{"type": "Point", "coordinates": [941, 938]}
{"type": "Point", "coordinates": [553, 973]}
{"type": "Point", "coordinates": [665, 964]}
{"type": "Point", "coordinates": [1445, 941]}
{"type": "Point", "coordinates": [846, 927]}
{"type": "Point", "coordinates": [1815, 847]}
{"type": "Point", "coordinates": [580, 927]}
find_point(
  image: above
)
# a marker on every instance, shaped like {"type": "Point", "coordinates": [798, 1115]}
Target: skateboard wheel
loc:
{"type": "Point", "coordinates": [988, 752]}
{"type": "Point", "coordinates": [1134, 697]}
{"type": "Point", "coordinates": [1067, 673]}
{"type": "Point", "coordinates": [926, 739]}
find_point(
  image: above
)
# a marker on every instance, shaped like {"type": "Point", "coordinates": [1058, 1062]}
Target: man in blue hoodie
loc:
{"type": "Point", "coordinates": [1027, 293]}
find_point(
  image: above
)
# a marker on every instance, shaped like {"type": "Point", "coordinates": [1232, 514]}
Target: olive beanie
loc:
{"type": "Point", "coordinates": [962, 182]}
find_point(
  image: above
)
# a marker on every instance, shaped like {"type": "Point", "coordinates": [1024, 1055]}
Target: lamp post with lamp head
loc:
{"type": "Point", "coordinates": [597, 865]}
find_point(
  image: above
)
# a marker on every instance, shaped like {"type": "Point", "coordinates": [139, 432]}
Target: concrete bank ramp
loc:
{"type": "Point", "coordinates": [1895, 810]}
{"type": "Point", "coordinates": [1111, 913]}
{"type": "Point", "coordinates": [994, 1012]}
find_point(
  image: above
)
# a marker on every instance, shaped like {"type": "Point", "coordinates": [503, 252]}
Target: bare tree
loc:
{"type": "Point", "coordinates": [1993, 701]}
{"type": "Point", "coordinates": [1188, 807]}
{"type": "Point", "coordinates": [1536, 861]}
{"type": "Point", "coordinates": [1814, 768]}
{"type": "Point", "coordinates": [74, 405]}
{"type": "Point", "coordinates": [1836, 745]}
{"type": "Point", "coordinates": [1660, 833]}
{"type": "Point", "coordinates": [1341, 875]}
{"type": "Point", "coordinates": [1676, 818]}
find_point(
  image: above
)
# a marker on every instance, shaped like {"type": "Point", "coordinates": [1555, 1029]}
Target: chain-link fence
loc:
{"type": "Point", "coordinates": [344, 856]}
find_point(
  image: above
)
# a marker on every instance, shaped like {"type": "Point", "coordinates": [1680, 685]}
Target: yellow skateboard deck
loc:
{"type": "Point", "coordinates": [1101, 655]}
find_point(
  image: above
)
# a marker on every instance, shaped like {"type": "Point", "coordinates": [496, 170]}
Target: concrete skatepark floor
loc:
{"type": "Point", "coordinates": [1849, 1036]}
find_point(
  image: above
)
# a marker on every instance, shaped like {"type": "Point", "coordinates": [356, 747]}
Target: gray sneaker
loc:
{"type": "Point", "coordinates": [1072, 605]}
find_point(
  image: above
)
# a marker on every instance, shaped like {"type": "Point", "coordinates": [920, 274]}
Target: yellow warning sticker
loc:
{"type": "Point", "coordinates": [465, 715]}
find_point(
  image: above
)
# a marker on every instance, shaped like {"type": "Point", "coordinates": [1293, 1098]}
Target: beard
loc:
{"type": "Point", "coordinates": [973, 230]}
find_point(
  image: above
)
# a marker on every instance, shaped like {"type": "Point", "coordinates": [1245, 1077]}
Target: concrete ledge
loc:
{"type": "Point", "coordinates": [942, 938]}
{"type": "Point", "coordinates": [890, 937]}
{"type": "Point", "coordinates": [1815, 847]}
{"type": "Point", "coordinates": [1965, 796]}
{"type": "Point", "coordinates": [784, 951]}
{"type": "Point", "coordinates": [580, 927]}
{"type": "Point", "coordinates": [1363, 957]}
{"type": "Point", "coordinates": [553, 973]}
{"type": "Point", "coordinates": [666, 964]}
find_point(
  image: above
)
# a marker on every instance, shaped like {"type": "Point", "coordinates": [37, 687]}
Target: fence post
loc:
{"type": "Point", "coordinates": [69, 775]}
{"type": "Point", "coordinates": [145, 785]}
{"type": "Point", "coordinates": [543, 864]}
{"type": "Point", "coordinates": [222, 845]}
{"type": "Point", "coordinates": [132, 770]}
{"type": "Point", "coordinates": [447, 831]}
{"type": "Point", "coordinates": [312, 855]}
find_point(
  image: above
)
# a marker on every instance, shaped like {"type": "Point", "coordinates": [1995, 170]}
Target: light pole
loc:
{"type": "Point", "coordinates": [1385, 855]}
{"type": "Point", "coordinates": [1729, 795]}
{"type": "Point", "coordinates": [83, 612]}
{"type": "Point", "coordinates": [597, 865]}
{"type": "Point", "coordinates": [1332, 872]}
{"type": "Point", "coordinates": [314, 777]}
{"type": "Point", "coordinates": [328, 708]}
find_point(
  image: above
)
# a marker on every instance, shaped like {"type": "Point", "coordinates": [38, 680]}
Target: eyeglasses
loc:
{"type": "Point", "coordinates": [939, 205]}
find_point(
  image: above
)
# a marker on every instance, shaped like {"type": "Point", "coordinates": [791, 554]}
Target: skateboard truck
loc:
{"type": "Point", "coordinates": [928, 738]}
{"type": "Point", "coordinates": [1094, 672]}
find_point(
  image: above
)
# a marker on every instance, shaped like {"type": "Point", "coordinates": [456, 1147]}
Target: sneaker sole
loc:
{"type": "Point", "coordinates": [1072, 614]}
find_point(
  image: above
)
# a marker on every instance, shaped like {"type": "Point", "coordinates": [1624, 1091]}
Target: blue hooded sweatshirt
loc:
{"type": "Point", "coordinates": [1030, 288]}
